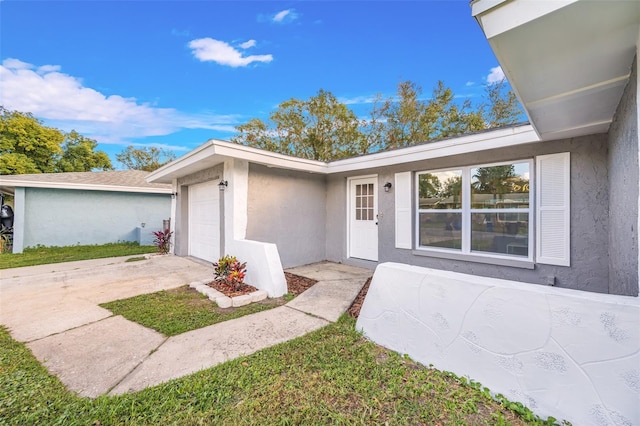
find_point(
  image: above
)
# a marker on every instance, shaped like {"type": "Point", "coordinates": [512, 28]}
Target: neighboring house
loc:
{"type": "Point", "coordinates": [61, 209]}
{"type": "Point", "coordinates": [568, 215]}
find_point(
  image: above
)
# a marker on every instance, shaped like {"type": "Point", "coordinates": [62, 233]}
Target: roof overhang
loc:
{"type": "Point", "coordinates": [8, 185]}
{"type": "Point", "coordinates": [216, 152]}
{"type": "Point", "coordinates": [567, 60]}
{"type": "Point", "coordinates": [476, 142]}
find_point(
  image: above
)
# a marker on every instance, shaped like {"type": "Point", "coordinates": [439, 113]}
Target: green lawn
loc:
{"type": "Point", "coordinates": [43, 255]}
{"type": "Point", "coordinates": [176, 311]}
{"type": "Point", "coordinates": [331, 376]}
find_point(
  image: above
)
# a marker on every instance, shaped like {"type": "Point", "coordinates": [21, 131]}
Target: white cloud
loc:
{"type": "Point", "coordinates": [220, 52]}
{"type": "Point", "coordinates": [469, 83]}
{"type": "Point", "coordinates": [285, 16]}
{"type": "Point", "coordinates": [279, 17]}
{"type": "Point", "coordinates": [496, 75]}
{"type": "Point", "coordinates": [356, 100]}
{"type": "Point", "coordinates": [248, 44]}
{"type": "Point", "coordinates": [64, 102]}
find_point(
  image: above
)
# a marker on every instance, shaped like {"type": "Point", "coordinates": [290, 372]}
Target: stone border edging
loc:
{"type": "Point", "coordinates": [225, 301]}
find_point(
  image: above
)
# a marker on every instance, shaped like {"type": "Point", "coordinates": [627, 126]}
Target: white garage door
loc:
{"type": "Point", "coordinates": [204, 221]}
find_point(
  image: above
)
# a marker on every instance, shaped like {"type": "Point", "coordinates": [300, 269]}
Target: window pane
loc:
{"type": "Point", "coordinates": [441, 230]}
{"type": "Point", "coordinates": [358, 214]}
{"type": "Point", "coordinates": [358, 189]}
{"type": "Point", "coordinates": [504, 233]}
{"type": "Point", "coordinates": [500, 187]}
{"type": "Point", "coordinates": [440, 190]}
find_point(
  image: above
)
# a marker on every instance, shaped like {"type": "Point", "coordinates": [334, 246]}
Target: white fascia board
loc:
{"type": "Point", "coordinates": [166, 173]}
{"type": "Point", "coordinates": [500, 138]}
{"type": "Point", "coordinates": [83, 186]}
{"type": "Point", "coordinates": [497, 17]}
{"type": "Point", "coordinates": [268, 158]}
{"type": "Point", "coordinates": [481, 6]}
{"type": "Point", "coordinates": [216, 152]}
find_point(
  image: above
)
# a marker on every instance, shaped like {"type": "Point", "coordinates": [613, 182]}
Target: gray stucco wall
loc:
{"type": "Point", "coordinates": [60, 217]}
{"type": "Point", "coordinates": [287, 208]}
{"type": "Point", "coordinates": [623, 193]}
{"type": "Point", "coordinates": [181, 227]}
{"type": "Point", "coordinates": [589, 216]}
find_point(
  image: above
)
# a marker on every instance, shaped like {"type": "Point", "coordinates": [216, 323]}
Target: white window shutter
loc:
{"type": "Point", "coordinates": [403, 210]}
{"type": "Point", "coordinates": [553, 201]}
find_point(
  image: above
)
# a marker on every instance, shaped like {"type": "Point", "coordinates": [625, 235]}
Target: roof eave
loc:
{"type": "Point", "coordinates": [7, 184]}
{"type": "Point", "coordinates": [568, 61]}
{"type": "Point", "coordinates": [215, 152]}
{"type": "Point", "coordinates": [491, 139]}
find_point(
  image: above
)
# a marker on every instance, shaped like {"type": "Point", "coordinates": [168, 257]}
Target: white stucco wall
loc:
{"type": "Point", "coordinates": [564, 353]}
{"type": "Point", "coordinates": [264, 268]}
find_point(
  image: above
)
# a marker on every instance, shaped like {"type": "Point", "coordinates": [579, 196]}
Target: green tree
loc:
{"type": "Point", "coordinates": [409, 119]}
{"type": "Point", "coordinates": [322, 128]}
{"type": "Point", "coordinates": [79, 155]}
{"type": "Point", "coordinates": [147, 158]}
{"type": "Point", "coordinates": [493, 180]}
{"type": "Point", "coordinates": [319, 128]}
{"type": "Point", "coordinates": [502, 106]}
{"type": "Point", "coordinates": [28, 146]}
{"type": "Point", "coordinates": [429, 185]}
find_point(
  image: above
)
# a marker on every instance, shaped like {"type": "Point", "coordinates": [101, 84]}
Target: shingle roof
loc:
{"type": "Point", "coordinates": [117, 180]}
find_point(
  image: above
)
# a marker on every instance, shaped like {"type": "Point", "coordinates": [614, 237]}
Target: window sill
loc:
{"type": "Point", "coordinates": [499, 261]}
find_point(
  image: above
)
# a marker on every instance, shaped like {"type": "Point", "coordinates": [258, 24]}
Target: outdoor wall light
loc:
{"type": "Point", "coordinates": [222, 185]}
{"type": "Point", "coordinates": [387, 186]}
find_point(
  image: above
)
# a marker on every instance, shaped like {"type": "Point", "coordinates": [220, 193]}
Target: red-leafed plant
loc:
{"type": "Point", "coordinates": [163, 240]}
{"type": "Point", "coordinates": [230, 271]}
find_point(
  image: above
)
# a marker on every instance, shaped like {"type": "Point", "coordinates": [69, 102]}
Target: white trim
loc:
{"type": "Point", "coordinates": [497, 17]}
{"type": "Point", "coordinates": [565, 191]}
{"type": "Point", "coordinates": [403, 208]}
{"type": "Point", "coordinates": [467, 211]}
{"type": "Point", "coordinates": [482, 141]}
{"type": "Point", "coordinates": [82, 186]}
{"type": "Point", "coordinates": [215, 152]}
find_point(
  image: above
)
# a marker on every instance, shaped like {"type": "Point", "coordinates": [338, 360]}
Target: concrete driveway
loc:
{"type": "Point", "coordinates": [52, 308]}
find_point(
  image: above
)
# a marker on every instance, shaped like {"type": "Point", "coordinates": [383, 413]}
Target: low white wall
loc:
{"type": "Point", "coordinates": [264, 269]}
{"type": "Point", "coordinates": [564, 353]}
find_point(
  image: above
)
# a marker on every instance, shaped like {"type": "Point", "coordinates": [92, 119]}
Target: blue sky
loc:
{"type": "Point", "coordinates": [177, 73]}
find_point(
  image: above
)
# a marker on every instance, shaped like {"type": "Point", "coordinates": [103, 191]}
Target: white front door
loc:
{"type": "Point", "coordinates": [204, 221]}
{"type": "Point", "coordinates": [363, 218]}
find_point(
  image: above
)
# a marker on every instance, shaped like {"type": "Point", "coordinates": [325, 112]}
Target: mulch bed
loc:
{"type": "Point", "coordinates": [295, 285]}
{"type": "Point", "coordinates": [230, 291]}
{"type": "Point", "coordinates": [354, 310]}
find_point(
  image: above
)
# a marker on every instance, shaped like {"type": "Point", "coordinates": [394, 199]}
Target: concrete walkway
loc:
{"type": "Point", "coordinates": [54, 310]}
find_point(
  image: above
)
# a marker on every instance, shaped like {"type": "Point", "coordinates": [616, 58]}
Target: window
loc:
{"type": "Point", "coordinates": [484, 210]}
{"type": "Point", "coordinates": [364, 202]}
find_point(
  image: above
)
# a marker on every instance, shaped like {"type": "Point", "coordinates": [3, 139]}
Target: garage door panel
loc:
{"type": "Point", "coordinates": [204, 221]}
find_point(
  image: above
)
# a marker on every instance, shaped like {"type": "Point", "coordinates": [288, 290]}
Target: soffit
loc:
{"type": "Point", "coordinates": [569, 63]}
